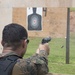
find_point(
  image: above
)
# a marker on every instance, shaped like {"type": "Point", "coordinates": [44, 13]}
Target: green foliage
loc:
{"type": "Point", "coordinates": [57, 57]}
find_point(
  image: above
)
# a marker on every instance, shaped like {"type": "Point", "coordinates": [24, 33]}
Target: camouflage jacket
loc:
{"type": "Point", "coordinates": [34, 65]}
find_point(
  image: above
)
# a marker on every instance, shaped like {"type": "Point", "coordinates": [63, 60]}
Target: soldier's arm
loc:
{"type": "Point", "coordinates": [43, 52]}
{"type": "Point", "coordinates": [35, 65]}
{"type": "Point", "coordinates": [39, 61]}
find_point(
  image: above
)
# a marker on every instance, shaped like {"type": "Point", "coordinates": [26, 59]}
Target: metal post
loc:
{"type": "Point", "coordinates": [68, 36]}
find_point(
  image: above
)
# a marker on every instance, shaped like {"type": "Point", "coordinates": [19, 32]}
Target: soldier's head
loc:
{"type": "Point", "coordinates": [15, 36]}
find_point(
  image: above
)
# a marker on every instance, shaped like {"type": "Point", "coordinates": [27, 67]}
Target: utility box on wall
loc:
{"type": "Point", "coordinates": [53, 23]}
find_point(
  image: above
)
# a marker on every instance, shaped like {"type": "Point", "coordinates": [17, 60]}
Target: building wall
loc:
{"type": "Point", "coordinates": [54, 23]}
{"type": "Point", "coordinates": [7, 7]}
{"type": "Point", "coordinates": [5, 18]}
{"type": "Point", "coordinates": [37, 3]}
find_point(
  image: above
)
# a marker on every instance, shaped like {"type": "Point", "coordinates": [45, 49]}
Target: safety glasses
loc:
{"type": "Point", "coordinates": [27, 40]}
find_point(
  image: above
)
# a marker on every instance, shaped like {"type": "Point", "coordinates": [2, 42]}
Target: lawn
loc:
{"type": "Point", "coordinates": [72, 9]}
{"type": "Point", "coordinates": [57, 57]}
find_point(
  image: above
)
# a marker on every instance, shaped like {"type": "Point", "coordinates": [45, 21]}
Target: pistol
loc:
{"type": "Point", "coordinates": [46, 40]}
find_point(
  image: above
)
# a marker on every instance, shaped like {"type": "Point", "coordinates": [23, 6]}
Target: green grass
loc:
{"type": "Point", "coordinates": [72, 9]}
{"type": "Point", "coordinates": [57, 57]}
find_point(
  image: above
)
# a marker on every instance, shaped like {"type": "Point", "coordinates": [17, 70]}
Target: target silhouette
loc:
{"type": "Point", "coordinates": [34, 21]}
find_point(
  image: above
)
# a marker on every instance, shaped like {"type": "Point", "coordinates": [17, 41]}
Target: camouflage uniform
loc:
{"type": "Point", "coordinates": [35, 65]}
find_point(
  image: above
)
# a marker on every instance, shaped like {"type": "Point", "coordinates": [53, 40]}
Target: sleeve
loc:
{"type": "Point", "coordinates": [41, 62]}
{"type": "Point", "coordinates": [24, 67]}
{"type": "Point", "coordinates": [35, 65]}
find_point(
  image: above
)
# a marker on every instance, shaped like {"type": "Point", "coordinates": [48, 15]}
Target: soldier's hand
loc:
{"type": "Point", "coordinates": [44, 47]}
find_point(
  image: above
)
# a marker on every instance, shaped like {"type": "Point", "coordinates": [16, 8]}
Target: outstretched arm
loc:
{"type": "Point", "coordinates": [42, 54]}
{"type": "Point", "coordinates": [35, 65]}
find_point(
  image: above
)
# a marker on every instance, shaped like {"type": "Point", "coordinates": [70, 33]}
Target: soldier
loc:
{"type": "Point", "coordinates": [14, 42]}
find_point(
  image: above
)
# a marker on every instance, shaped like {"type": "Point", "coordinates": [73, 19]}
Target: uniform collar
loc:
{"type": "Point", "coordinates": [8, 54]}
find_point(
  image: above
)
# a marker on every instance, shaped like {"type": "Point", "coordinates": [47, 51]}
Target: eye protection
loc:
{"type": "Point", "coordinates": [27, 40]}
